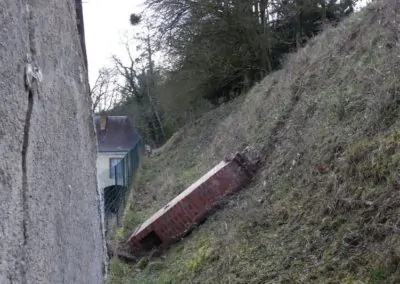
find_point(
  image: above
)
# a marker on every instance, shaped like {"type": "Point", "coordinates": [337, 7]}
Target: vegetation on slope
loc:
{"type": "Point", "coordinates": [211, 50]}
{"type": "Point", "coordinates": [324, 207]}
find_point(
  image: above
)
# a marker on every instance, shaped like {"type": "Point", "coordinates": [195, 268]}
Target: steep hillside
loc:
{"type": "Point", "coordinates": [325, 206]}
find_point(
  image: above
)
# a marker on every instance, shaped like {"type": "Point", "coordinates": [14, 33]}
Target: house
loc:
{"type": "Point", "coordinates": [115, 137]}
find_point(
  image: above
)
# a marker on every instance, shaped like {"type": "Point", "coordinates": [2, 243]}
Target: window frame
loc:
{"type": "Point", "coordinates": [111, 171]}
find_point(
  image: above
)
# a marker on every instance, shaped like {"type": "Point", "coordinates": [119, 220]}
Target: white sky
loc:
{"type": "Point", "coordinates": [106, 23]}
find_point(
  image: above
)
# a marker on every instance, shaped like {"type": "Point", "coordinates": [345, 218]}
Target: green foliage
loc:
{"type": "Point", "coordinates": [119, 233]}
{"type": "Point", "coordinates": [373, 161]}
{"type": "Point", "coordinates": [214, 51]}
{"type": "Point", "coordinates": [221, 49]}
{"type": "Point", "coordinates": [390, 111]}
{"type": "Point", "coordinates": [379, 275]}
{"type": "Point", "coordinates": [201, 257]}
{"type": "Point", "coordinates": [142, 264]}
{"type": "Point", "coordinates": [117, 272]}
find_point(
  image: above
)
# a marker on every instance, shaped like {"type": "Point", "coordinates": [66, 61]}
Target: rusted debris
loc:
{"type": "Point", "coordinates": [193, 205]}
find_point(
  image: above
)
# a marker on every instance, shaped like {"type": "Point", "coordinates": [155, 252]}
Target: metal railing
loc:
{"type": "Point", "coordinates": [115, 197]}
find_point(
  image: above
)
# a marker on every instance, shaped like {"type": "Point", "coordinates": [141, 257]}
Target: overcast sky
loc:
{"type": "Point", "coordinates": [106, 23]}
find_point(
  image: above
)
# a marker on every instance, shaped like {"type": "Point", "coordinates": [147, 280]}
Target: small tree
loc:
{"type": "Point", "coordinates": [138, 90]}
{"type": "Point", "coordinates": [149, 75]}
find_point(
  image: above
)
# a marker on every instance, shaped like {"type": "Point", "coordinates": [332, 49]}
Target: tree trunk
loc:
{"type": "Point", "coordinates": [264, 14]}
{"type": "Point", "coordinates": [299, 8]}
{"type": "Point", "coordinates": [256, 12]}
{"type": "Point", "coordinates": [150, 85]}
{"type": "Point", "coordinates": [323, 13]}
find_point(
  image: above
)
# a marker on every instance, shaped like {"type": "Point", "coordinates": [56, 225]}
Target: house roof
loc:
{"type": "Point", "coordinates": [118, 135]}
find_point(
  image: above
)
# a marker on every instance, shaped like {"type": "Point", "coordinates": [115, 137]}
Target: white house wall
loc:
{"type": "Point", "coordinates": [103, 167]}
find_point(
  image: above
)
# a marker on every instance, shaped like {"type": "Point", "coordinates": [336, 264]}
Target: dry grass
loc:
{"type": "Point", "coordinates": [325, 206]}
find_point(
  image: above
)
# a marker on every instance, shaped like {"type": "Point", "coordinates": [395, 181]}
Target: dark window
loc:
{"type": "Point", "coordinates": [114, 162]}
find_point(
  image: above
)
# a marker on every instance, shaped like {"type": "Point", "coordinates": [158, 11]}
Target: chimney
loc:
{"type": "Point", "coordinates": [103, 122]}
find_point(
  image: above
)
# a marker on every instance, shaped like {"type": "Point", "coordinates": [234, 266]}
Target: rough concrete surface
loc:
{"type": "Point", "coordinates": [51, 228]}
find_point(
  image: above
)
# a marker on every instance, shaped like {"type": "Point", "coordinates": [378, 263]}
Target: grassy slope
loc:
{"type": "Point", "coordinates": [325, 206]}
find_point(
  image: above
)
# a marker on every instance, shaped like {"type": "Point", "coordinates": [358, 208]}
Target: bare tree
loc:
{"type": "Point", "coordinates": [128, 73]}
{"type": "Point", "coordinates": [130, 88]}
{"type": "Point", "coordinates": [104, 92]}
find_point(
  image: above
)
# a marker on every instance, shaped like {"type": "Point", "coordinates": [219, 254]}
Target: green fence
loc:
{"type": "Point", "coordinates": [115, 197]}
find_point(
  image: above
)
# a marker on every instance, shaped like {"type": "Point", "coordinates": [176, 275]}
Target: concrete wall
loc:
{"type": "Point", "coordinates": [103, 167]}
{"type": "Point", "coordinates": [51, 228]}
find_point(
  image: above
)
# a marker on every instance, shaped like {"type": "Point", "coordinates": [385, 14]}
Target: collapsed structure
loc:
{"type": "Point", "coordinates": [192, 206]}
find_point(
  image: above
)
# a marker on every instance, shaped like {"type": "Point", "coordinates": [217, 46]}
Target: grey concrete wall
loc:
{"type": "Point", "coordinates": [51, 226]}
